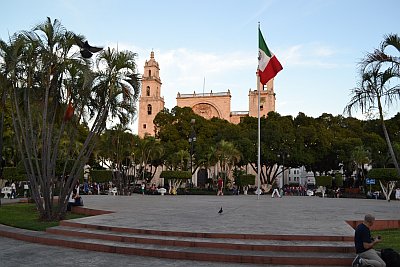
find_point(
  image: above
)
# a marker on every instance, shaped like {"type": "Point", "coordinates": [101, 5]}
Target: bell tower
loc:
{"type": "Point", "coordinates": [150, 101]}
{"type": "Point", "coordinates": [267, 100]}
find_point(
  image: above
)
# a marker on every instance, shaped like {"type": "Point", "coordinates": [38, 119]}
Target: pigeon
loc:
{"type": "Point", "coordinates": [86, 49]}
{"type": "Point", "coordinates": [220, 211]}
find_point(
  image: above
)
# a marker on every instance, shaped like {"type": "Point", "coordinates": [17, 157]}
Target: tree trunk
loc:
{"type": "Point", "coordinates": [389, 143]}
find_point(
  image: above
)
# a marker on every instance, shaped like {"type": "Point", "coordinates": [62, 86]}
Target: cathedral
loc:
{"type": "Point", "coordinates": [207, 105]}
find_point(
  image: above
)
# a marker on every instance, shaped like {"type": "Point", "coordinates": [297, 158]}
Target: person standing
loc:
{"type": "Point", "coordinates": [397, 193]}
{"type": "Point", "coordinates": [13, 190]}
{"type": "Point", "coordinates": [143, 188]}
{"type": "Point", "coordinates": [220, 185]}
{"type": "Point", "coordinates": [364, 244]}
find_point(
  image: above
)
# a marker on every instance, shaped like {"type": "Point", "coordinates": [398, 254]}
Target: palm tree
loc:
{"type": "Point", "coordinates": [361, 156]}
{"type": "Point", "coordinates": [228, 156]}
{"type": "Point", "coordinates": [53, 89]}
{"type": "Point", "coordinates": [183, 156]}
{"type": "Point", "coordinates": [10, 55]}
{"type": "Point", "coordinates": [379, 56]}
{"type": "Point", "coordinates": [375, 90]}
{"type": "Point", "coordinates": [147, 149]}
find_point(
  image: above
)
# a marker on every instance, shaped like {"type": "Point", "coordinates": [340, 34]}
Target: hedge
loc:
{"type": "Point", "coordinates": [339, 179]}
{"type": "Point", "coordinates": [11, 174]}
{"type": "Point", "coordinates": [323, 181]}
{"type": "Point", "coordinates": [101, 176]}
{"type": "Point", "coordinates": [176, 175]}
{"type": "Point", "coordinates": [246, 179]}
{"type": "Point", "coordinates": [385, 174]}
{"type": "Point", "coordinates": [59, 166]}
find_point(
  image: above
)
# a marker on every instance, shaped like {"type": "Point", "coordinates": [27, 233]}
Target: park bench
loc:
{"type": "Point", "coordinates": [6, 191]}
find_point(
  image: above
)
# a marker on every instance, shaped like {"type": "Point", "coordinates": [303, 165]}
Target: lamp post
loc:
{"type": "Point", "coordinates": [283, 155]}
{"type": "Point", "coordinates": [192, 139]}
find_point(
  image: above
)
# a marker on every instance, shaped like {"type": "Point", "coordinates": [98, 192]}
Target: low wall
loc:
{"type": "Point", "coordinates": [378, 224]}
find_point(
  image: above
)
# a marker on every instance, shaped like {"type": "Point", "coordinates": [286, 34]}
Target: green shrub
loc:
{"type": "Point", "coordinates": [176, 175]}
{"type": "Point", "coordinates": [101, 176]}
{"type": "Point", "coordinates": [323, 181]}
{"type": "Point", "coordinates": [12, 174]}
{"type": "Point", "coordinates": [246, 179]}
{"type": "Point", "coordinates": [385, 174]}
{"type": "Point", "coordinates": [60, 165]}
{"type": "Point", "coordinates": [339, 179]}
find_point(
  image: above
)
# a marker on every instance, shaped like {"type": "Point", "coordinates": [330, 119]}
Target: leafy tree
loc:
{"type": "Point", "coordinates": [387, 179]}
{"type": "Point", "coordinates": [175, 178]}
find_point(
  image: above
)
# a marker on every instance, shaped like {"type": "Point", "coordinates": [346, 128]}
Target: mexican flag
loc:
{"type": "Point", "coordinates": [268, 64]}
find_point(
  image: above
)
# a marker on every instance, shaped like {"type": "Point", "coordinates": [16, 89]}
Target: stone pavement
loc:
{"type": "Point", "coordinates": [242, 214]}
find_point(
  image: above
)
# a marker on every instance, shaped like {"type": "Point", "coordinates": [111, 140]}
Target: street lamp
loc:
{"type": "Point", "coordinates": [192, 139]}
{"type": "Point", "coordinates": [283, 155]}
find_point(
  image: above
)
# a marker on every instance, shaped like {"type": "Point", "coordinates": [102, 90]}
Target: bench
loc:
{"type": "Point", "coordinates": [113, 191]}
{"type": "Point", "coordinates": [162, 191]}
{"type": "Point", "coordinates": [6, 191]}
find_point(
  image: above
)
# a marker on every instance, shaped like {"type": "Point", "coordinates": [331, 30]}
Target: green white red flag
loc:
{"type": "Point", "coordinates": [268, 64]}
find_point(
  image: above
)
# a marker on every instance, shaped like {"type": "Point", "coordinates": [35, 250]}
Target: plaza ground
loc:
{"type": "Point", "coordinates": [241, 214]}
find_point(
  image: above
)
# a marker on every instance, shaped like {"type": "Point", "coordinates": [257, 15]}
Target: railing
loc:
{"type": "Point", "coordinates": [204, 94]}
{"type": "Point", "coordinates": [239, 113]}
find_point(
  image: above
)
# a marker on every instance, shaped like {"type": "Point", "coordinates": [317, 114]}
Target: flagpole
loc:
{"type": "Point", "coordinates": [259, 132]}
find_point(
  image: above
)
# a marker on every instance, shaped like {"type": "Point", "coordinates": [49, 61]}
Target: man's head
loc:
{"type": "Point", "coordinates": [369, 220]}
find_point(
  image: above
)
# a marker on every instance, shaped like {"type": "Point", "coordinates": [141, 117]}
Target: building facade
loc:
{"type": "Point", "coordinates": [150, 102]}
{"type": "Point", "coordinates": [207, 105]}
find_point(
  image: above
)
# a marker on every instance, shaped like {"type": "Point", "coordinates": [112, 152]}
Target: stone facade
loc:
{"type": "Point", "coordinates": [207, 105]}
{"type": "Point", "coordinates": [150, 102]}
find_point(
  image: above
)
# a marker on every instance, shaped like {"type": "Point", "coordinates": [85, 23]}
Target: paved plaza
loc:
{"type": "Point", "coordinates": [292, 215]}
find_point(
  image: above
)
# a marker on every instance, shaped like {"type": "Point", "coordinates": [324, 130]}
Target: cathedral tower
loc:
{"type": "Point", "coordinates": [150, 101]}
{"type": "Point", "coordinates": [267, 100]}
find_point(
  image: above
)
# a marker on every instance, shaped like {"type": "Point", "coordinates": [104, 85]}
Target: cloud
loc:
{"type": "Point", "coordinates": [309, 55]}
{"type": "Point", "coordinates": [186, 70]}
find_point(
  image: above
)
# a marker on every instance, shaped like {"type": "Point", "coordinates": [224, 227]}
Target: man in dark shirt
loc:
{"type": "Point", "coordinates": [364, 243]}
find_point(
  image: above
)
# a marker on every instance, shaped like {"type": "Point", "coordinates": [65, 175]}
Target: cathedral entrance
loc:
{"type": "Point", "coordinates": [202, 176]}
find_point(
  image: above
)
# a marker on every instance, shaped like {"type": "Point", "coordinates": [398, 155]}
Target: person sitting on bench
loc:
{"type": "Point", "coordinates": [75, 200]}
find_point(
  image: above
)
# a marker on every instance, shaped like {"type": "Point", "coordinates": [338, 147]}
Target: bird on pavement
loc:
{"type": "Point", "coordinates": [220, 211]}
{"type": "Point", "coordinates": [86, 49]}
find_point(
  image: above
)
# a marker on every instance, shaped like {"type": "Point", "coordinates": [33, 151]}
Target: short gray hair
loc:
{"type": "Point", "coordinates": [369, 218]}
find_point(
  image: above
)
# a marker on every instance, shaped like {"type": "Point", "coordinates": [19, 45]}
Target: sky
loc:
{"type": "Point", "coordinates": [213, 44]}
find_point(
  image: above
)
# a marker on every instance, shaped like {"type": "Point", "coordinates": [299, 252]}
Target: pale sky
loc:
{"type": "Point", "coordinates": [318, 42]}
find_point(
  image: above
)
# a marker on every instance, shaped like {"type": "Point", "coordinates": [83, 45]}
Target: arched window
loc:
{"type": "Point", "coordinates": [149, 109]}
{"type": "Point", "coordinates": [149, 73]}
{"type": "Point", "coordinates": [148, 91]}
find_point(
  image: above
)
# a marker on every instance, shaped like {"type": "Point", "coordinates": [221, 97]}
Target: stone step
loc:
{"type": "Point", "coordinates": [223, 243]}
{"type": "Point", "coordinates": [182, 253]}
{"type": "Point", "coordinates": [209, 234]}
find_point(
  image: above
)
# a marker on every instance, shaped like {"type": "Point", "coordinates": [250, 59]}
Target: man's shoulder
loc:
{"type": "Point", "coordinates": [361, 226]}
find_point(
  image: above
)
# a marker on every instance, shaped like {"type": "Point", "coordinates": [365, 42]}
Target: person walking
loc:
{"type": "Point", "coordinates": [275, 191]}
{"type": "Point", "coordinates": [220, 185]}
{"type": "Point", "coordinates": [364, 244]}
